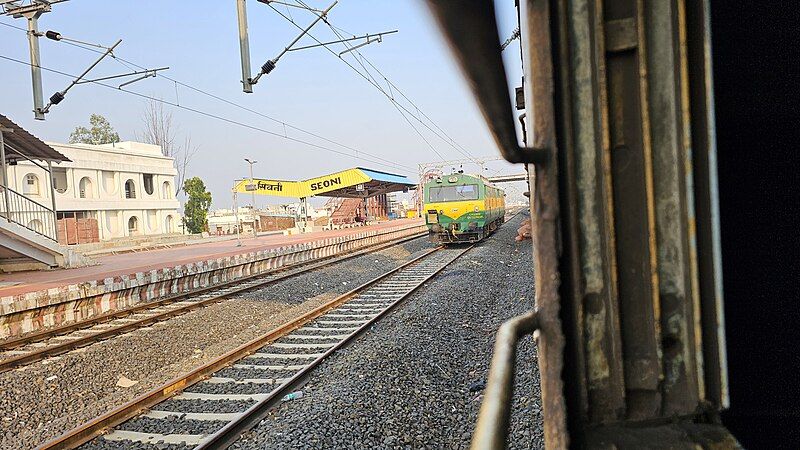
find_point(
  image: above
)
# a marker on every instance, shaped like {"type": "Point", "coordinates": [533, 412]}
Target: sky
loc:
{"type": "Point", "coordinates": [312, 89]}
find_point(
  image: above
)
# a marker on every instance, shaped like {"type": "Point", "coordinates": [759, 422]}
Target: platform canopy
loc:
{"type": "Point", "coordinates": [353, 183]}
{"type": "Point", "coordinates": [22, 145]}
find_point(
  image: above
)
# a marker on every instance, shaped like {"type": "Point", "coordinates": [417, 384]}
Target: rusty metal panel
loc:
{"type": "Point", "coordinates": [704, 161]}
{"type": "Point", "coordinates": [631, 167]}
{"type": "Point", "coordinates": [673, 207]}
{"type": "Point", "coordinates": [624, 213]}
{"type": "Point", "coordinates": [598, 293]}
{"type": "Point", "coordinates": [540, 113]}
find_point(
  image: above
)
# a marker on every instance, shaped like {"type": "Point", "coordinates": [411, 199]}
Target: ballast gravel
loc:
{"type": "Point", "coordinates": [200, 406]}
{"type": "Point", "coordinates": [45, 399]}
{"type": "Point", "coordinates": [172, 425]}
{"type": "Point", "coordinates": [129, 445]}
{"type": "Point", "coordinates": [415, 380]}
{"type": "Point", "coordinates": [233, 388]}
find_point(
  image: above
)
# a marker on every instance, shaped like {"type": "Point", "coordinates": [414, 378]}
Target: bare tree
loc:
{"type": "Point", "coordinates": [182, 159]}
{"type": "Point", "coordinates": [159, 129]}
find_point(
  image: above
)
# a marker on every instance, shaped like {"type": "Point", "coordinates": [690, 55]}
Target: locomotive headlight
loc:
{"type": "Point", "coordinates": [476, 209]}
{"type": "Point", "coordinates": [441, 211]}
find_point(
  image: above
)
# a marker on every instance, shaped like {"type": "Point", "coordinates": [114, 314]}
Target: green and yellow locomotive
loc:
{"type": "Point", "coordinates": [462, 208]}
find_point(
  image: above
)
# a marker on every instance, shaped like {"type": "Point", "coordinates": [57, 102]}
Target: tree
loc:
{"type": "Point", "coordinates": [100, 132]}
{"type": "Point", "coordinates": [160, 130]}
{"type": "Point", "coordinates": [196, 208]}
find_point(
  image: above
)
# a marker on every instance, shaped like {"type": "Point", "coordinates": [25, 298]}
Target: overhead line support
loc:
{"type": "Point", "coordinates": [270, 64]}
{"type": "Point", "coordinates": [244, 46]}
{"type": "Point", "coordinates": [59, 96]}
{"type": "Point", "coordinates": [36, 69]}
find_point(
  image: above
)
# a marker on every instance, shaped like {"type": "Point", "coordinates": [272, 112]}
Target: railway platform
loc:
{"type": "Point", "coordinates": [37, 299]}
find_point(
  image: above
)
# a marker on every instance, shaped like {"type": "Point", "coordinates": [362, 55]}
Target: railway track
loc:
{"type": "Point", "coordinates": [35, 347]}
{"type": "Point", "coordinates": [213, 405]}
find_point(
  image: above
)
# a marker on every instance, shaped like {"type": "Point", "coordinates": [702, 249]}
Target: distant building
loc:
{"type": "Point", "coordinates": [106, 191]}
{"type": "Point", "coordinates": [223, 221]}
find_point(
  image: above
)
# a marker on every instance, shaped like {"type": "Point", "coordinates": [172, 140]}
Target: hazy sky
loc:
{"type": "Point", "coordinates": [309, 89]}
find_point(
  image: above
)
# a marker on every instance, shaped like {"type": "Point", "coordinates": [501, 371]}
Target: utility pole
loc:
{"type": "Point", "coordinates": [236, 220]}
{"type": "Point", "coordinates": [36, 69]}
{"type": "Point", "coordinates": [252, 186]}
{"type": "Point", "coordinates": [244, 45]}
{"type": "Point", "coordinates": [320, 15]}
{"type": "Point", "coordinates": [31, 12]}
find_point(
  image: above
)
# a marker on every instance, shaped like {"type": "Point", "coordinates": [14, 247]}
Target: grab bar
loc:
{"type": "Point", "coordinates": [492, 427]}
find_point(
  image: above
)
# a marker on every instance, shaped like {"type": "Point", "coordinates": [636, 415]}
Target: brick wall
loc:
{"type": "Point", "coordinates": [77, 231]}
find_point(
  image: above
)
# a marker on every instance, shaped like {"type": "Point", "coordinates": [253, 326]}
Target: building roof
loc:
{"type": "Point", "coordinates": [20, 142]}
{"type": "Point", "coordinates": [379, 183]}
{"type": "Point", "coordinates": [357, 182]}
{"type": "Point", "coordinates": [386, 176]}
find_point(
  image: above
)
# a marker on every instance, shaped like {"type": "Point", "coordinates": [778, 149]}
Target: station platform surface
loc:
{"type": "Point", "coordinates": [128, 263]}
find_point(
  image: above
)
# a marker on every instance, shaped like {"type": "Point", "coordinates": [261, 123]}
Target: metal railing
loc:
{"type": "Point", "coordinates": [491, 430]}
{"type": "Point", "coordinates": [23, 211]}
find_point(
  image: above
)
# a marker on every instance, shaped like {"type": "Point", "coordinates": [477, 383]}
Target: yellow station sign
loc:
{"type": "Point", "coordinates": [305, 188]}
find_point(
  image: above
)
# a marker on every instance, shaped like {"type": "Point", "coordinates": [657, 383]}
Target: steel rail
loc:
{"type": "Point", "coordinates": [231, 432]}
{"type": "Point", "coordinates": [38, 355]}
{"type": "Point", "coordinates": [99, 425]}
{"type": "Point", "coordinates": [10, 344]}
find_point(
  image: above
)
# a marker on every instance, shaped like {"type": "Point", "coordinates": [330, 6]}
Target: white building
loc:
{"type": "Point", "coordinates": [127, 187]}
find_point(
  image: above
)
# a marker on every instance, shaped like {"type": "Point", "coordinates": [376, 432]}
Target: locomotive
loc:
{"type": "Point", "coordinates": [462, 208]}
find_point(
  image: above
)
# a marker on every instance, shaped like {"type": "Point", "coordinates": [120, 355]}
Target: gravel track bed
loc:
{"type": "Point", "coordinates": [332, 326]}
{"type": "Point", "coordinates": [416, 379]}
{"type": "Point", "coordinates": [244, 374]}
{"type": "Point", "coordinates": [172, 425]}
{"type": "Point", "coordinates": [275, 361]}
{"type": "Point", "coordinates": [43, 400]}
{"type": "Point", "coordinates": [232, 388]}
{"type": "Point", "coordinates": [326, 340]}
{"type": "Point", "coordinates": [333, 279]}
{"type": "Point", "coordinates": [102, 444]}
{"type": "Point", "coordinates": [291, 351]}
{"type": "Point", "coordinates": [199, 406]}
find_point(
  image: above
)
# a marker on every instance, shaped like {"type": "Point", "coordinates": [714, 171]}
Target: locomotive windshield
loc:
{"type": "Point", "coordinates": [453, 193]}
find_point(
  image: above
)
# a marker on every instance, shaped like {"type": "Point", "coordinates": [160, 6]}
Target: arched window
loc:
{"type": "Point", "coordinates": [85, 188]}
{"type": "Point", "coordinates": [130, 189]}
{"type": "Point", "coordinates": [30, 185]}
{"type": "Point", "coordinates": [36, 225]}
{"type": "Point", "coordinates": [147, 178]}
{"type": "Point", "coordinates": [166, 190]}
{"type": "Point", "coordinates": [168, 225]}
{"type": "Point", "coordinates": [133, 225]}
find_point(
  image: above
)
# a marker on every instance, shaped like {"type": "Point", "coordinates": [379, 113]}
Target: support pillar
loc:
{"type": "Point", "coordinates": [36, 69]}
{"type": "Point", "coordinates": [6, 205]}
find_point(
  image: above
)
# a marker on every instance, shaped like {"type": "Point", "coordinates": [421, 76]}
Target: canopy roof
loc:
{"type": "Point", "coordinates": [357, 182]}
{"type": "Point", "coordinates": [21, 145]}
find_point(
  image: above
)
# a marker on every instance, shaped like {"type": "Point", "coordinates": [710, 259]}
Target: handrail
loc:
{"type": "Point", "coordinates": [492, 427]}
{"type": "Point", "coordinates": [26, 212]}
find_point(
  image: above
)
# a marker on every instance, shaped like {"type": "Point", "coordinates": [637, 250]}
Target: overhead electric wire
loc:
{"type": "Point", "coordinates": [365, 77]}
{"type": "Point", "coordinates": [204, 113]}
{"type": "Point", "coordinates": [391, 85]}
{"type": "Point", "coordinates": [128, 64]}
{"type": "Point", "coordinates": [374, 82]}
{"type": "Point", "coordinates": [452, 142]}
